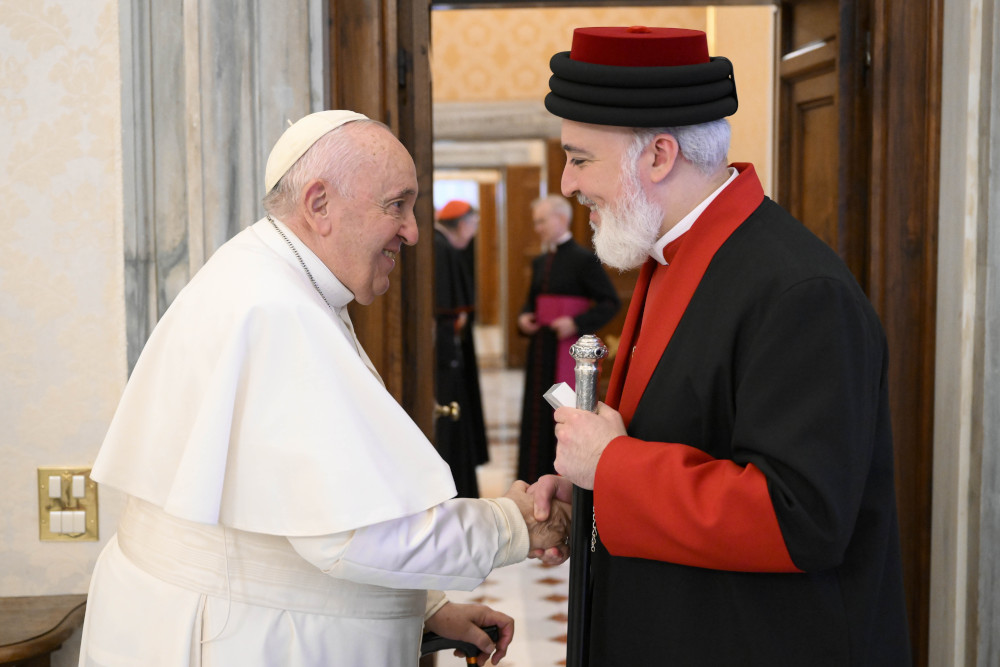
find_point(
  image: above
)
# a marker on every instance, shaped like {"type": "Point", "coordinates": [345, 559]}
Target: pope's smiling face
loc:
{"type": "Point", "coordinates": [373, 223]}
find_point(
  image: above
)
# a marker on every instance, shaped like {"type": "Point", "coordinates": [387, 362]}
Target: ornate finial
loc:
{"type": "Point", "coordinates": [588, 346]}
{"type": "Point", "coordinates": [587, 352]}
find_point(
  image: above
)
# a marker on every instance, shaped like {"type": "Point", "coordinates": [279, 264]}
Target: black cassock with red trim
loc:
{"type": "Point", "coordinates": [749, 516]}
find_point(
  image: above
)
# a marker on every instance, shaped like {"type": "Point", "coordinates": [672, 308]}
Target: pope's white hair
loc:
{"type": "Point", "coordinates": [337, 157]}
{"type": "Point", "coordinates": [705, 145]}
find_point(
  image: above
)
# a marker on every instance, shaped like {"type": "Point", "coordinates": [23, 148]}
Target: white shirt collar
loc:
{"type": "Point", "coordinates": [567, 235]}
{"type": "Point", "coordinates": [685, 223]}
{"type": "Point", "coordinates": [335, 292]}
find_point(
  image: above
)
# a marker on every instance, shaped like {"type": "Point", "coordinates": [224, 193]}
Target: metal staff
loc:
{"type": "Point", "coordinates": [588, 352]}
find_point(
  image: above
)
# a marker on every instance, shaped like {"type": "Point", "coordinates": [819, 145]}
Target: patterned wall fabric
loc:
{"type": "Point", "coordinates": [62, 355]}
{"type": "Point", "coordinates": [503, 54]}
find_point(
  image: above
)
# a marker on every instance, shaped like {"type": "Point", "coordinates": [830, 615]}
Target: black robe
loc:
{"type": "Point", "coordinates": [777, 373]}
{"type": "Point", "coordinates": [570, 271]}
{"type": "Point", "coordinates": [461, 443]}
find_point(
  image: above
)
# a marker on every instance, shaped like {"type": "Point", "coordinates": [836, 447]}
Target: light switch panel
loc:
{"type": "Point", "coordinates": [67, 505]}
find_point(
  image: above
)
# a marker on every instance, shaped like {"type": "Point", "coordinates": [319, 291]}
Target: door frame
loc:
{"type": "Point", "coordinates": [890, 64]}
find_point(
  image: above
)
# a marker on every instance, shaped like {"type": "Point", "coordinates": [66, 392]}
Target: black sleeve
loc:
{"type": "Point", "coordinates": [808, 397]}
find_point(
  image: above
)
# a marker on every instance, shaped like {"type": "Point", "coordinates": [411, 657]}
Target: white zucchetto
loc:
{"type": "Point", "coordinates": [299, 138]}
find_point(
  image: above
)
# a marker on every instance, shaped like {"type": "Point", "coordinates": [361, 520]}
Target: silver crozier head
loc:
{"type": "Point", "coordinates": [587, 352]}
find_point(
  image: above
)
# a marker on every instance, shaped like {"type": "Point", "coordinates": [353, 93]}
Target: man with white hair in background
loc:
{"type": "Point", "coordinates": [742, 464]}
{"type": "Point", "coordinates": [282, 508]}
{"type": "Point", "coordinates": [570, 294]}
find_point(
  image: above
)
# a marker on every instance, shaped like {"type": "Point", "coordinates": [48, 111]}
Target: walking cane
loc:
{"type": "Point", "coordinates": [432, 642]}
{"type": "Point", "coordinates": [588, 352]}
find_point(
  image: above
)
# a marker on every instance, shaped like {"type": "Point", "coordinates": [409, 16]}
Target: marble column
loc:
{"type": "Point", "coordinates": [965, 535]}
{"type": "Point", "coordinates": [208, 86]}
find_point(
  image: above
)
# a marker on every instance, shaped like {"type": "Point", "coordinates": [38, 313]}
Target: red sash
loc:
{"type": "Point", "coordinates": [548, 308]}
{"type": "Point", "coordinates": [667, 290]}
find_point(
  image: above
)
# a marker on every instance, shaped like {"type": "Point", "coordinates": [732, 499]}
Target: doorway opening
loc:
{"type": "Point", "coordinates": [490, 74]}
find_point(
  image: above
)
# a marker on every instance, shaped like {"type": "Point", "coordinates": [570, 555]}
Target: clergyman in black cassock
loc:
{"type": "Point", "coordinates": [462, 442]}
{"type": "Point", "coordinates": [742, 461]}
{"type": "Point", "coordinates": [565, 269]}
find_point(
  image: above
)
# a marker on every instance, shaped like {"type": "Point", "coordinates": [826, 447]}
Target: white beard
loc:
{"type": "Point", "coordinates": [629, 229]}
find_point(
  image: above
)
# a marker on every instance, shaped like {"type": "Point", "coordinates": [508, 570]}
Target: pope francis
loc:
{"type": "Point", "coordinates": [282, 508]}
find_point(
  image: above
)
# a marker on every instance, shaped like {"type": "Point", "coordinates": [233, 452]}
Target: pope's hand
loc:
{"type": "Point", "coordinates": [465, 622]}
{"type": "Point", "coordinates": [547, 491]}
{"type": "Point", "coordinates": [548, 536]}
{"type": "Point", "coordinates": [581, 438]}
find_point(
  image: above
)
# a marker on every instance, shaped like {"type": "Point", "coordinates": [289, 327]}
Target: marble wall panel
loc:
{"type": "Point", "coordinates": [212, 87]}
{"type": "Point", "coordinates": [965, 531]}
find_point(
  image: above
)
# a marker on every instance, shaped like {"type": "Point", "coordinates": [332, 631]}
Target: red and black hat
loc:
{"type": "Point", "coordinates": [640, 77]}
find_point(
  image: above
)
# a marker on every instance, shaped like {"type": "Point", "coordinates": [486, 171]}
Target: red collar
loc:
{"type": "Point", "coordinates": [642, 344]}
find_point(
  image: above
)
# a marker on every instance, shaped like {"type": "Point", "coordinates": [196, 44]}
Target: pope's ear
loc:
{"type": "Point", "coordinates": [665, 152]}
{"type": "Point", "coordinates": [316, 204]}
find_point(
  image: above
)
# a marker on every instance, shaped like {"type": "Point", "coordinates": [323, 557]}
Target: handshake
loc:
{"type": "Point", "coordinates": [546, 513]}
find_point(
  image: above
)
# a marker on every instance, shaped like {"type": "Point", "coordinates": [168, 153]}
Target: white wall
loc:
{"type": "Point", "coordinates": [62, 320]}
{"type": "Point", "coordinates": [62, 316]}
{"type": "Point", "coordinates": [68, 298]}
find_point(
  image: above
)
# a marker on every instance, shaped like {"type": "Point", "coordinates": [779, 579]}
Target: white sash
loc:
{"type": "Point", "coordinates": [251, 568]}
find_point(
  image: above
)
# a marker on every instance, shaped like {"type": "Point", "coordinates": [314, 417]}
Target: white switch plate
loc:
{"type": "Point", "coordinates": [68, 496]}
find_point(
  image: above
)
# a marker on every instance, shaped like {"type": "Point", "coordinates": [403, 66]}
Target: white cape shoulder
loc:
{"type": "Point", "coordinates": [250, 407]}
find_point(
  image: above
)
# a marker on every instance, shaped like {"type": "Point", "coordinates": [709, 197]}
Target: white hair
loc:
{"type": "Point", "coordinates": [704, 145]}
{"type": "Point", "coordinates": [336, 157]}
{"type": "Point", "coordinates": [559, 205]}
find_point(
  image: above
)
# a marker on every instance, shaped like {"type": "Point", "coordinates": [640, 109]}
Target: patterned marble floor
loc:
{"type": "Point", "coordinates": [533, 594]}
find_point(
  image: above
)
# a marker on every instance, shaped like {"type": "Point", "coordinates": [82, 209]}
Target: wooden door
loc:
{"type": "Point", "coordinates": [857, 164]}
{"type": "Point", "coordinates": [808, 156]}
{"type": "Point", "coordinates": [812, 147]}
{"type": "Point", "coordinates": [523, 185]}
{"type": "Point", "coordinates": [902, 212]}
{"type": "Point", "coordinates": [488, 254]}
{"type": "Point", "coordinates": [380, 67]}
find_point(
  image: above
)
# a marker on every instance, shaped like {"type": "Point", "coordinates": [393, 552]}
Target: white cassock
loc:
{"type": "Point", "coordinates": [283, 508]}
